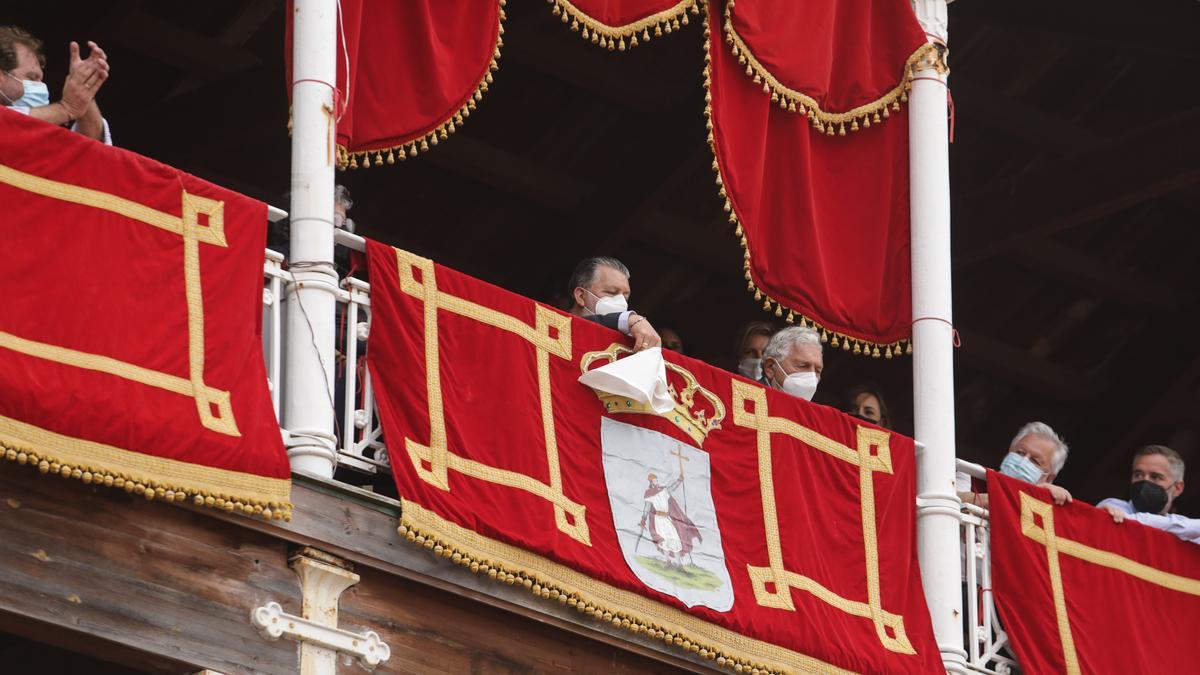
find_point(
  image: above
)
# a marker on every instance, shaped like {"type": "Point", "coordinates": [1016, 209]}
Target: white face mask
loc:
{"type": "Point", "coordinates": [609, 304]}
{"type": "Point", "coordinates": [751, 368]}
{"type": "Point", "coordinates": [801, 385]}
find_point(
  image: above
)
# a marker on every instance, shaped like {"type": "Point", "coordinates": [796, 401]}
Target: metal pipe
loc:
{"type": "Point", "coordinates": [312, 297]}
{"type": "Point", "coordinates": [938, 520]}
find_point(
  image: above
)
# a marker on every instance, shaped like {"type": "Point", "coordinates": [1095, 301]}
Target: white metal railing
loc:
{"type": "Point", "coordinates": [360, 435]}
{"type": "Point", "coordinates": [987, 644]}
{"type": "Point", "coordinates": [274, 277]}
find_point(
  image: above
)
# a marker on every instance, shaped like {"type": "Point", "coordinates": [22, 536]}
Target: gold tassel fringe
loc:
{"type": "Point", "coordinates": [620, 38]}
{"type": "Point", "coordinates": [828, 123]}
{"type": "Point", "coordinates": [852, 344]}
{"type": "Point", "coordinates": [145, 487]}
{"type": "Point", "coordinates": [532, 582]}
{"type": "Point", "coordinates": [423, 142]}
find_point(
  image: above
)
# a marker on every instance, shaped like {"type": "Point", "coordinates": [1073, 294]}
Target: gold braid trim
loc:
{"type": "Point", "coordinates": [614, 37]}
{"type": "Point", "coordinates": [440, 132]}
{"type": "Point", "coordinates": [829, 123]}
{"type": "Point", "coordinates": [770, 304]}
{"type": "Point", "coordinates": [151, 477]}
{"type": "Point", "coordinates": [623, 609]}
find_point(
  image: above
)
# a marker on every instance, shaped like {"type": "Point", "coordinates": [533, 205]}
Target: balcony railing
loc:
{"type": "Point", "coordinates": [985, 640]}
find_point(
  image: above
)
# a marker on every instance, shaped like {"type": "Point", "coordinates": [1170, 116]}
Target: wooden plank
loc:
{"type": "Point", "coordinates": [361, 527]}
{"type": "Point", "coordinates": [143, 575]}
{"type": "Point", "coordinates": [433, 631]}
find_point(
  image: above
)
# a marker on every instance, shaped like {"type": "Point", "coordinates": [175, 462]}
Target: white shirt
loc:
{"type": "Point", "coordinates": [1187, 529]}
{"type": "Point", "coordinates": [24, 110]}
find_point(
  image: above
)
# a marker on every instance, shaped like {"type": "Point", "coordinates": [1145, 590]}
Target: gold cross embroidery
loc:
{"type": "Point", "coordinates": [432, 461]}
{"type": "Point", "coordinates": [212, 405]}
{"type": "Point", "coordinates": [1033, 510]}
{"type": "Point", "coordinates": [871, 455]}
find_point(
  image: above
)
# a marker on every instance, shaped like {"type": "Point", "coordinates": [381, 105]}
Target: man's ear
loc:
{"type": "Point", "coordinates": [1051, 476]}
{"type": "Point", "coordinates": [580, 298]}
{"type": "Point", "coordinates": [1178, 489]}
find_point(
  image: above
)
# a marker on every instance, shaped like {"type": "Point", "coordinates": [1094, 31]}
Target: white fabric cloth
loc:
{"type": "Point", "coordinates": [24, 110]}
{"type": "Point", "coordinates": [641, 377]}
{"type": "Point", "coordinates": [1187, 529]}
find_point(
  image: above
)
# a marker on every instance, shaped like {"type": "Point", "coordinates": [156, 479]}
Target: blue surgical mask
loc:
{"type": "Point", "coordinates": [36, 95]}
{"type": "Point", "coordinates": [1021, 468]}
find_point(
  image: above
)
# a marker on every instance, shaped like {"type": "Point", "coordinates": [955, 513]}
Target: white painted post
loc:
{"type": "Point", "coordinates": [933, 344]}
{"type": "Point", "coordinates": [308, 409]}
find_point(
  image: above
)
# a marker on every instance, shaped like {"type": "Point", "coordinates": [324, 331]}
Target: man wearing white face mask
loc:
{"type": "Point", "coordinates": [1036, 455]}
{"type": "Point", "coordinates": [793, 361]}
{"type": "Point", "coordinates": [23, 89]}
{"type": "Point", "coordinates": [599, 289]}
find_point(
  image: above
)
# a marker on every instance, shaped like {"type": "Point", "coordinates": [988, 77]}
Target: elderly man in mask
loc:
{"type": "Point", "coordinates": [599, 289]}
{"type": "Point", "coordinates": [1036, 455]}
{"type": "Point", "coordinates": [793, 360]}
{"type": "Point", "coordinates": [1155, 483]}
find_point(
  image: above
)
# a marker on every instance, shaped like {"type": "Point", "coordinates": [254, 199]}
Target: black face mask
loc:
{"type": "Point", "coordinates": [1147, 497]}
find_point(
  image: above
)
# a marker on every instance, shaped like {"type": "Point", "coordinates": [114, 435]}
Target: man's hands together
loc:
{"type": "Point", "coordinates": [84, 79]}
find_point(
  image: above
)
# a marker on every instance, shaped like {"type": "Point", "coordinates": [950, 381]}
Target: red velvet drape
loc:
{"type": "Point", "coordinates": [621, 24]}
{"type": "Point", "coordinates": [814, 168]}
{"type": "Point", "coordinates": [1079, 593]}
{"type": "Point", "coordinates": [483, 383]}
{"type": "Point", "coordinates": [417, 69]}
{"type": "Point", "coordinates": [130, 341]}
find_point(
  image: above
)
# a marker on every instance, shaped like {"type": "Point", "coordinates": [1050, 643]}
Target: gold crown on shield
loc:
{"type": "Point", "coordinates": [695, 420]}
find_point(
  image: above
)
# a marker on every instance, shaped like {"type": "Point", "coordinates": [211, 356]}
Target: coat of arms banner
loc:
{"type": "Point", "coordinates": [1079, 593]}
{"type": "Point", "coordinates": [130, 334]}
{"type": "Point", "coordinates": [746, 525]}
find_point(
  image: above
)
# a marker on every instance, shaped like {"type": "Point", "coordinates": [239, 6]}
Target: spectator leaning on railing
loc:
{"type": "Point", "coordinates": [22, 63]}
{"type": "Point", "coordinates": [599, 289]}
{"type": "Point", "coordinates": [1036, 455]}
{"type": "Point", "coordinates": [1154, 484]}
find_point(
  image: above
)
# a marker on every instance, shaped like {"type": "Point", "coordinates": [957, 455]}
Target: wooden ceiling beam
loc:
{"type": "Point", "coordinates": [1027, 372]}
{"type": "Point", "coordinates": [1150, 162]}
{"type": "Point", "coordinates": [194, 53]}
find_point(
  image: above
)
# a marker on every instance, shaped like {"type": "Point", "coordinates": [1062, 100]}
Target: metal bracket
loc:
{"type": "Point", "coordinates": [274, 624]}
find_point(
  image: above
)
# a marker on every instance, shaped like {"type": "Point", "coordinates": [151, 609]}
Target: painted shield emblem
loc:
{"type": "Point", "coordinates": [661, 497]}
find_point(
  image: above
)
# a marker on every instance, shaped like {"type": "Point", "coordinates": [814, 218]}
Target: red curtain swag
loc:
{"type": "Point", "coordinates": [618, 24]}
{"type": "Point", "coordinates": [823, 220]}
{"type": "Point", "coordinates": [417, 70]}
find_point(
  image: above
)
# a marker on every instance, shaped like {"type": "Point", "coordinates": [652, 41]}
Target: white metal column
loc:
{"type": "Point", "coordinates": [933, 345]}
{"type": "Point", "coordinates": [308, 409]}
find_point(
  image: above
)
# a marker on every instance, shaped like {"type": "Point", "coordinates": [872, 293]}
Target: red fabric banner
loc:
{"type": "Point", "coordinates": [1078, 593]}
{"type": "Point", "coordinates": [130, 341]}
{"type": "Point", "coordinates": [417, 69]}
{"type": "Point", "coordinates": [823, 220]}
{"type": "Point", "coordinates": [617, 24]}
{"type": "Point", "coordinates": [747, 525]}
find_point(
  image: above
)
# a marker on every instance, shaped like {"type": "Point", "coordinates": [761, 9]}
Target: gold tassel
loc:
{"type": "Point", "coordinates": [842, 129]}
{"type": "Point", "coordinates": [778, 310]}
{"type": "Point", "coordinates": [908, 348]}
{"type": "Point", "coordinates": [857, 348]}
{"type": "Point", "coordinates": [824, 336]}
{"type": "Point", "coordinates": [767, 305]}
{"type": "Point", "coordinates": [875, 352]}
{"type": "Point", "coordinates": [791, 317]}
{"type": "Point", "coordinates": [621, 44]}
{"type": "Point", "coordinates": [834, 343]}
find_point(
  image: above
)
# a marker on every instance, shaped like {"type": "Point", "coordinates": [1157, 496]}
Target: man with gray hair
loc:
{"type": "Point", "coordinates": [1154, 484]}
{"type": "Point", "coordinates": [599, 290]}
{"type": "Point", "coordinates": [793, 361]}
{"type": "Point", "coordinates": [1036, 454]}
